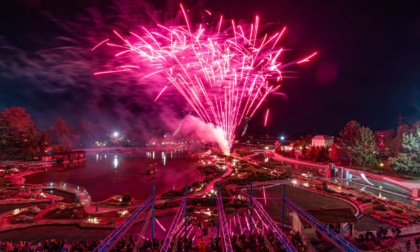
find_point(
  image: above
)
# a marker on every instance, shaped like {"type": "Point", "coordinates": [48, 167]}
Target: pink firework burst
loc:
{"type": "Point", "coordinates": [224, 72]}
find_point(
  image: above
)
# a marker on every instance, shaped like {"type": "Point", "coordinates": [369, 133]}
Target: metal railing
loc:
{"type": "Point", "coordinates": [80, 192]}
{"type": "Point", "coordinates": [335, 238]}
{"type": "Point", "coordinates": [167, 243]}
{"type": "Point", "coordinates": [288, 246]}
{"type": "Point", "coordinates": [115, 235]}
{"type": "Point", "coordinates": [223, 223]}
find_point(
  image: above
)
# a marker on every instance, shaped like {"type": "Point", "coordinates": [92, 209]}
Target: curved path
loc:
{"type": "Point", "coordinates": [408, 231]}
{"type": "Point", "coordinates": [407, 184]}
{"type": "Point", "coordinates": [278, 157]}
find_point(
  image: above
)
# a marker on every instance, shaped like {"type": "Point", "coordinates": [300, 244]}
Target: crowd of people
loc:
{"type": "Point", "coordinates": [297, 241]}
{"type": "Point", "coordinates": [376, 237]}
{"type": "Point", "coordinates": [416, 242]}
{"type": "Point", "coordinates": [379, 234]}
{"type": "Point", "coordinates": [248, 243]}
{"type": "Point", "coordinates": [53, 245]}
{"type": "Point", "coordinates": [241, 243]}
{"type": "Point", "coordinates": [48, 245]}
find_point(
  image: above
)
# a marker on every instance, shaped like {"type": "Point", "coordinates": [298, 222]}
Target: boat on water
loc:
{"type": "Point", "coordinates": [151, 171]}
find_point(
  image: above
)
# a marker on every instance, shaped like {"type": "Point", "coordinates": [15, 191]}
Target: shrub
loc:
{"type": "Point", "coordinates": [380, 207]}
{"type": "Point", "coordinates": [126, 197]}
{"type": "Point", "coordinates": [174, 193]}
{"type": "Point", "coordinates": [23, 219]}
{"type": "Point", "coordinates": [398, 210]}
{"type": "Point", "coordinates": [229, 210]}
{"type": "Point", "coordinates": [35, 210]}
{"type": "Point", "coordinates": [364, 200]}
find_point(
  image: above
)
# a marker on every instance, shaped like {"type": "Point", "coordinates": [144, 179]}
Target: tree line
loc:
{"type": "Point", "coordinates": [359, 146]}
{"type": "Point", "coordinates": [20, 139]}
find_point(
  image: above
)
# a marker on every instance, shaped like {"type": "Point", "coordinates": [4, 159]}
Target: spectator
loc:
{"type": "Point", "coordinates": [408, 245]}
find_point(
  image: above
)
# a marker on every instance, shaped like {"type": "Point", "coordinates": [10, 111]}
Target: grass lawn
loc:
{"type": "Point", "coordinates": [307, 200]}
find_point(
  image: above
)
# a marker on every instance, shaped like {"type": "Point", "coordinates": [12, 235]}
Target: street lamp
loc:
{"type": "Point", "coordinates": [115, 137]}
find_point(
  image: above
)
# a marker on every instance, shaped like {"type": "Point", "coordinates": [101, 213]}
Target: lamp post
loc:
{"type": "Point", "coordinates": [115, 136]}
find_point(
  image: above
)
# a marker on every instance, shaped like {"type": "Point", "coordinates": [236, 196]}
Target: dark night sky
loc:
{"type": "Point", "coordinates": [367, 69]}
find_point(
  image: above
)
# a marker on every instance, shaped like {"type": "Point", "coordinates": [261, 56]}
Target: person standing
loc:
{"type": "Point", "coordinates": [408, 245]}
{"type": "Point", "coordinates": [394, 231]}
{"type": "Point", "coordinates": [417, 242]}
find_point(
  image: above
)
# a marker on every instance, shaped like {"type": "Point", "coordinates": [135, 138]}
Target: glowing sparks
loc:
{"type": "Point", "coordinates": [265, 198]}
{"type": "Point", "coordinates": [161, 92]}
{"type": "Point", "coordinates": [99, 44]}
{"type": "Point", "coordinates": [307, 58]}
{"type": "Point", "coordinates": [266, 117]}
{"type": "Point", "coordinates": [225, 73]}
{"type": "Point", "coordinates": [112, 71]}
{"type": "Point", "coordinates": [160, 225]}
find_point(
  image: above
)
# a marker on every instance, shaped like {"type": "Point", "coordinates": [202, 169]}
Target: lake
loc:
{"type": "Point", "coordinates": [104, 175]}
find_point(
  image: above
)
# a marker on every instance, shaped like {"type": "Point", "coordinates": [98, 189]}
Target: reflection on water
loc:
{"type": "Point", "coordinates": [115, 161]}
{"type": "Point", "coordinates": [104, 175]}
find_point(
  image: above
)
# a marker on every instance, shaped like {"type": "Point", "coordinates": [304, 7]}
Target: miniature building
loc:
{"type": "Point", "coordinates": [322, 140]}
{"type": "Point", "coordinates": [72, 156]}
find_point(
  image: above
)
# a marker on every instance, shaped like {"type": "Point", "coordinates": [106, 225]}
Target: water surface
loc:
{"type": "Point", "coordinates": [104, 175]}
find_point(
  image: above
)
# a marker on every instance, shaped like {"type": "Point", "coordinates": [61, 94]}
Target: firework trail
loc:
{"type": "Point", "coordinates": [266, 117]}
{"type": "Point", "coordinates": [224, 72]}
{"type": "Point", "coordinates": [265, 198]}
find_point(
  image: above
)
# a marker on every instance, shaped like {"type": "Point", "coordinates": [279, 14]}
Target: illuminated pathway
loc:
{"type": "Point", "coordinates": [210, 185]}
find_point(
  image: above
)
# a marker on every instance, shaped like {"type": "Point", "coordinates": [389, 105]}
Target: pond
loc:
{"type": "Point", "coordinates": [104, 175]}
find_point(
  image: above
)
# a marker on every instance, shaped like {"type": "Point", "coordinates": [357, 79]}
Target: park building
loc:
{"type": "Point", "coordinates": [322, 140]}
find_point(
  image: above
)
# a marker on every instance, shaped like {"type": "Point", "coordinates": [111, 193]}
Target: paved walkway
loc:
{"type": "Point", "coordinates": [279, 157]}
{"type": "Point", "coordinates": [84, 198]}
{"type": "Point", "coordinates": [407, 233]}
{"type": "Point", "coordinates": [210, 185]}
{"type": "Point", "coordinates": [408, 184]}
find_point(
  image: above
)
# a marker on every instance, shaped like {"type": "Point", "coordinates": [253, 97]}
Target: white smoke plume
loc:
{"type": "Point", "coordinates": [205, 131]}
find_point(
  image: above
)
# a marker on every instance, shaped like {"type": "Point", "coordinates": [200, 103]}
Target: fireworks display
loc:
{"type": "Point", "coordinates": [266, 117]}
{"type": "Point", "coordinates": [224, 72]}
